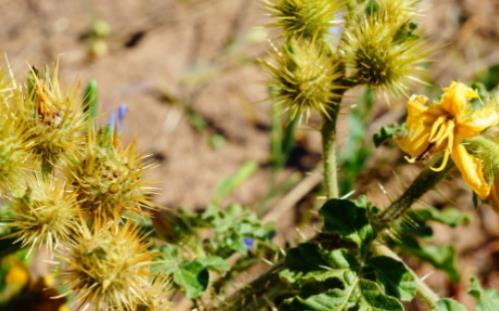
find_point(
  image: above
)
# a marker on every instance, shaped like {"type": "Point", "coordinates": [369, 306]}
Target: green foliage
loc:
{"type": "Point", "coordinates": [387, 132]}
{"type": "Point", "coordinates": [447, 304]}
{"type": "Point", "coordinates": [415, 227]}
{"type": "Point", "coordinates": [486, 300]}
{"type": "Point", "coordinates": [352, 226]}
{"type": "Point", "coordinates": [191, 275]}
{"type": "Point", "coordinates": [91, 100]}
{"type": "Point", "coordinates": [231, 227]}
{"type": "Point", "coordinates": [397, 280]}
{"type": "Point", "coordinates": [348, 277]}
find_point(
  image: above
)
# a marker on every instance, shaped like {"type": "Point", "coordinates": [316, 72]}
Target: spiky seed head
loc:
{"type": "Point", "coordinates": [392, 12]}
{"type": "Point", "coordinates": [45, 215]}
{"type": "Point", "coordinates": [14, 151]}
{"type": "Point", "coordinates": [108, 179]}
{"type": "Point", "coordinates": [53, 117]}
{"type": "Point", "coordinates": [156, 293]}
{"type": "Point", "coordinates": [107, 265]}
{"type": "Point", "coordinates": [304, 77]}
{"type": "Point", "coordinates": [380, 56]}
{"type": "Point", "coordinates": [310, 19]}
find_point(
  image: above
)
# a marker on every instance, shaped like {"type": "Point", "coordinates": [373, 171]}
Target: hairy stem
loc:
{"type": "Point", "coordinates": [330, 172]}
{"type": "Point", "coordinates": [425, 181]}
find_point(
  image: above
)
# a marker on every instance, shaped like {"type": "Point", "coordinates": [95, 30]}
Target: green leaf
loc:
{"type": "Point", "coordinates": [349, 221]}
{"type": "Point", "coordinates": [486, 300]}
{"type": "Point", "coordinates": [397, 279]}
{"type": "Point", "coordinates": [228, 185]}
{"type": "Point", "coordinates": [168, 261]}
{"type": "Point", "coordinates": [90, 100]}
{"type": "Point", "coordinates": [215, 263]}
{"type": "Point", "coordinates": [448, 304]}
{"type": "Point", "coordinates": [440, 256]}
{"type": "Point", "coordinates": [335, 299]}
{"type": "Point", "coordinates": [387, 132]}
{"type": "Point", "coordinates": [449, 216]}
{"type": "Point", "coordinates": [373, 298]}
{"type": "Point", "coordinates": [193, 277]}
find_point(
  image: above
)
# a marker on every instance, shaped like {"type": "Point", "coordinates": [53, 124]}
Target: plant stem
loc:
{"type": "Point", "coordinates": [423, 290]}
{"type": "Point", "coordinates": [425, 181]}
{"type": "Point", "coordinates": [330, 172]}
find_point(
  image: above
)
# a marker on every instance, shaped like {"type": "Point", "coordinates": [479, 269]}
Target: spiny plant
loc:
{"type": "Point", "coordinates": [75, 187]}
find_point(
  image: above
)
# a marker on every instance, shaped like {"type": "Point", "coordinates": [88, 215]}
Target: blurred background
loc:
{"type": "Point", "coordinates": [190, 74]}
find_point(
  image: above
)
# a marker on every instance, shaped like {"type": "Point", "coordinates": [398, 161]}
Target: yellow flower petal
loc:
{"type": "Point", "coordinates": [477, 122]}
{"type": "Point", "coordinates": [456, 97]}
{"type": "Point", "coordinates": [471, 170]}
{"type": "Point", "coordinates": [416, 108]}
{"type": "Point", "coordinates": [414, 143]}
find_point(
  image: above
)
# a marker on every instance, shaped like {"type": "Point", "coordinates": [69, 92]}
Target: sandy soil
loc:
{"type": "Point", "coordinates": [182, 57]}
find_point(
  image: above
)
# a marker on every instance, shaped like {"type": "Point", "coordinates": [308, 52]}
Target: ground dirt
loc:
{"type": "Point", "coordinates": [166, 54]}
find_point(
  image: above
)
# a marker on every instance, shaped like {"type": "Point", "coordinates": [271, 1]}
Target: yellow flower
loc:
{"type": "Point", "coordinates": [442, 126]}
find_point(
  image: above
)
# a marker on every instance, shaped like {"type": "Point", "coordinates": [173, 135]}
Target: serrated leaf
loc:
{"type": "Point", "coordinates": [349, 221]}
{"type": "Point", "coordinates": [215, 263]}
{"type": "Point", "coordinates": [442, 257]}
{"type": "Point", "coordinates": [335, 299]}
{"type": "Point", "coordinates": [449, 216]}
{"type": "Point", "coordinates": [397, 279]}
{"type": "Point", "coordinates": [448, 304]}
{"type": "Point", "coordinates": [305, 257]}
{"type": "Point", "coordinates": [193, 277]}
{"type": "Point", "coordinates": [374, 299]}
{"type": "Point", "coordinates": [486, 300]}
{"type": "Point", "coordinates": [168, 261]}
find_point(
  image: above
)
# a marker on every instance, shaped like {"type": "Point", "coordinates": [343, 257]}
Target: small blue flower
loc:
{"type": "Point", "coordinates": [122, 110]}
{"type": "Point", "coordinates": [249, 242]}
{"type": "Point", "coordinates": [120, 113]}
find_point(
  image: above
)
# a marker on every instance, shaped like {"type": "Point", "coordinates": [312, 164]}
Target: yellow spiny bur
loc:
{"type": "Point", "coordinates": [304, 77]}
{"type": "Point", "coordinates": [156, 294]}
{"type": "Point", "coordinates": [374, 56]}
{"type": "Point", "coordinates": [107, 265]}
{"type": "Point", "coordinates": [108, 180]}
{"type": "Point", "coordinates": [444, 126]}
{"type": "Point", "coordinates": [53, 118]}
{"type": "Point", "coordinates": [310, 19]}
{"type": "Point", "coordinates": [14, 150]}
{"type": "Point", "coordinates": [45, 214]}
